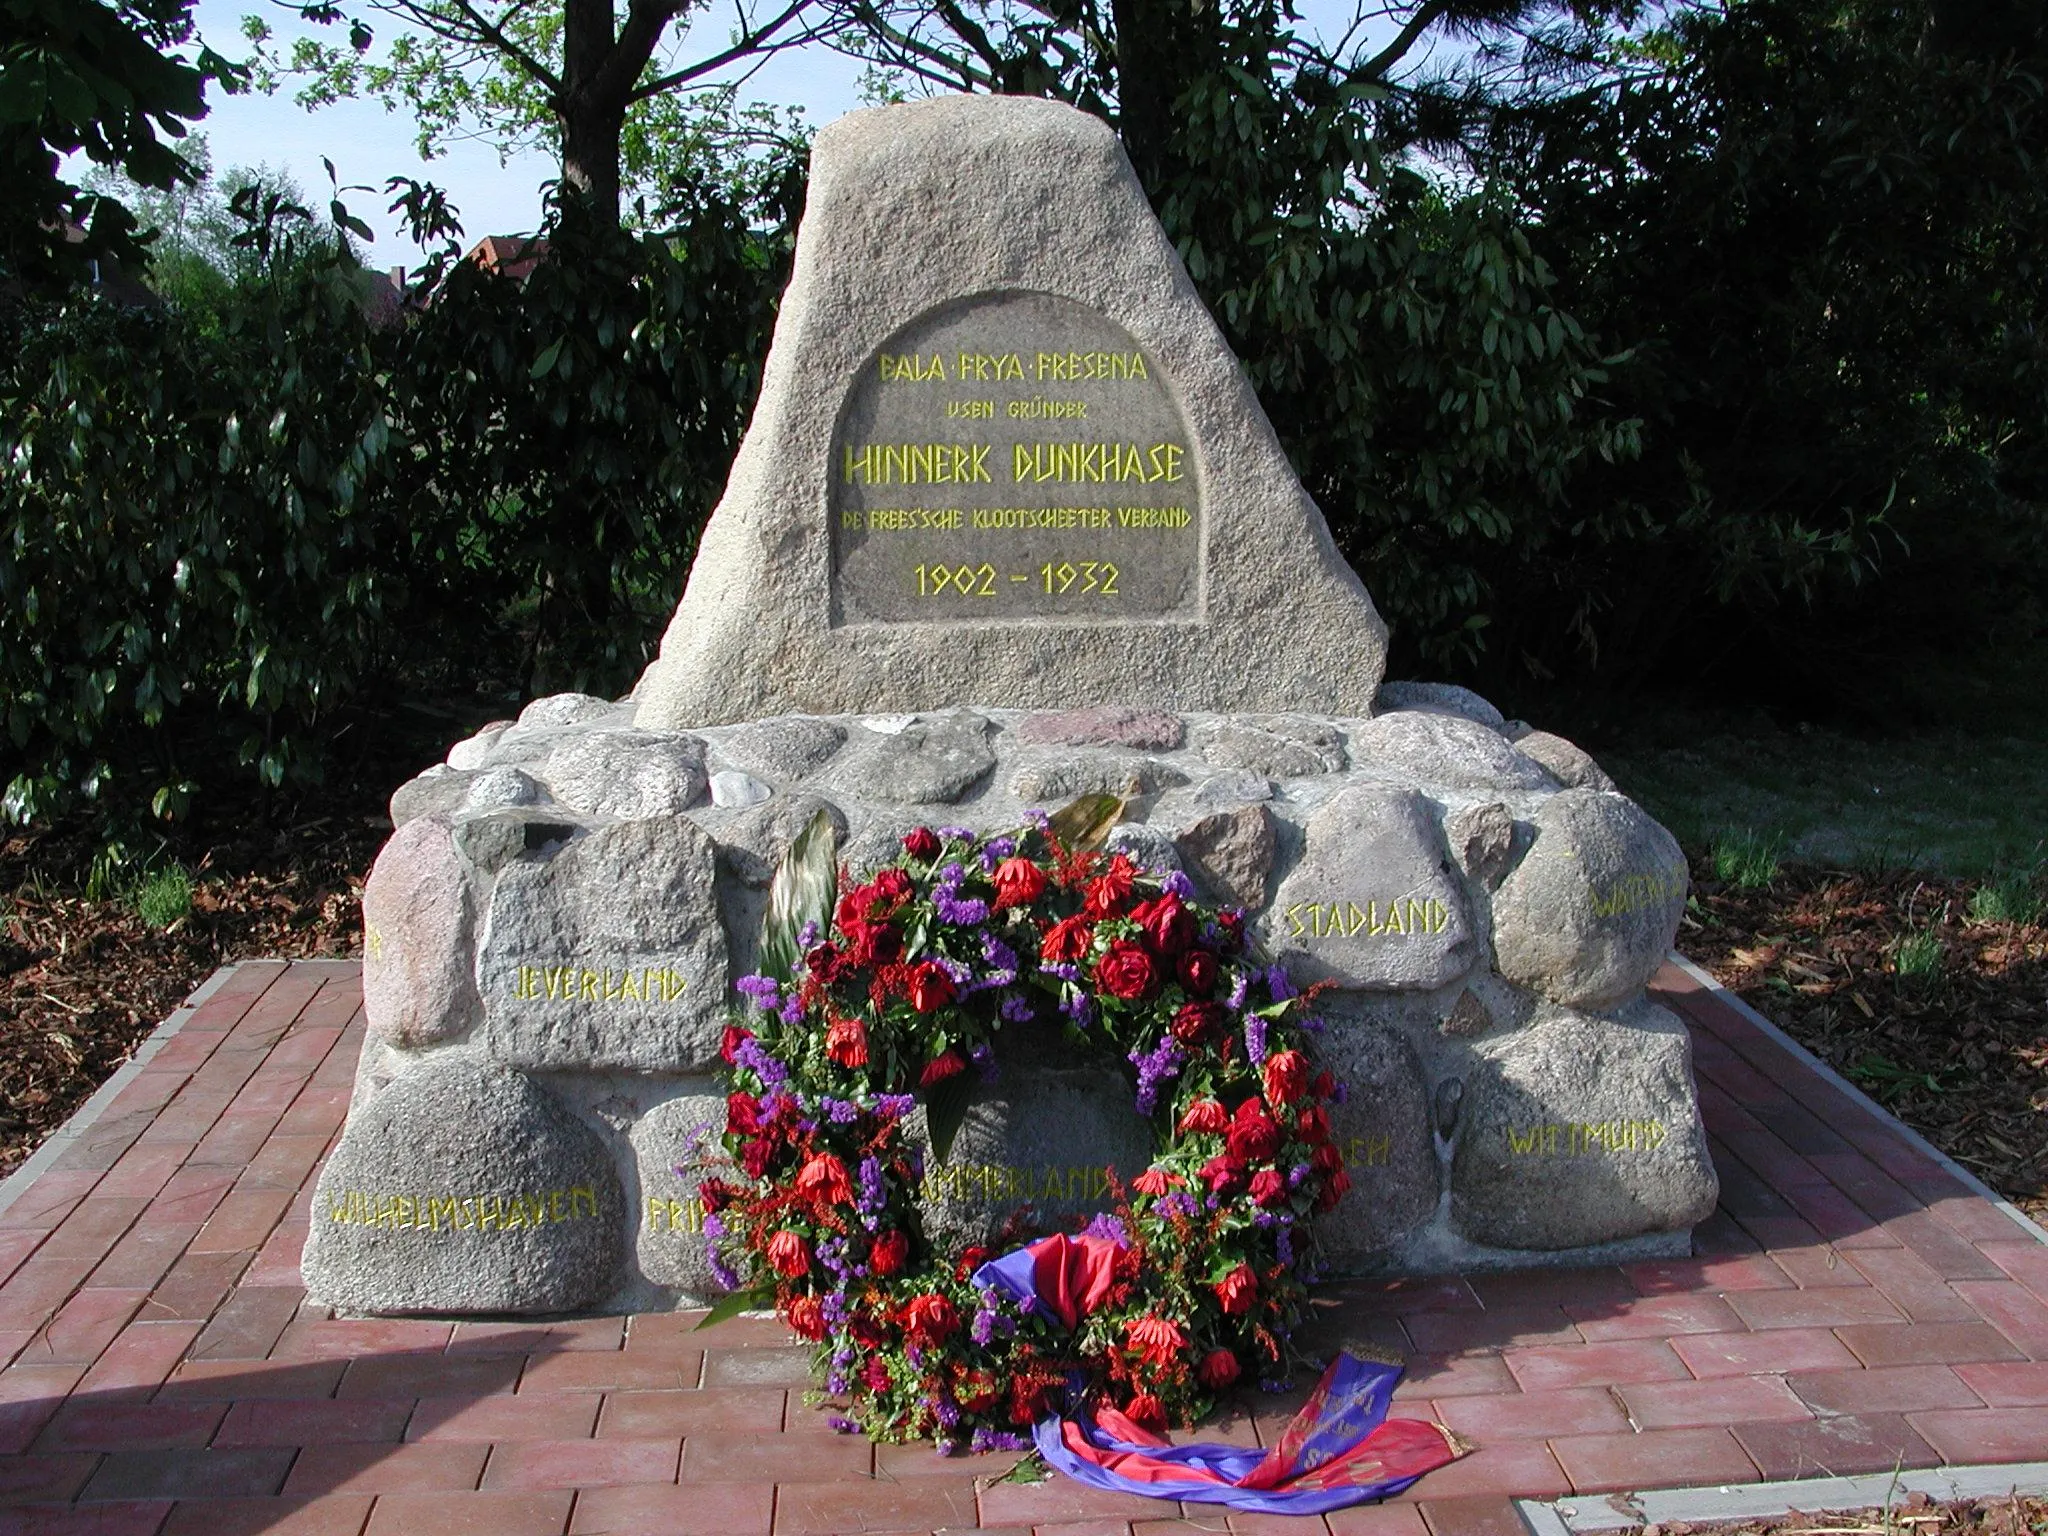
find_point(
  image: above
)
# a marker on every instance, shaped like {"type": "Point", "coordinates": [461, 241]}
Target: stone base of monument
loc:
{"type": "Point", "coordinates": [553, 930]}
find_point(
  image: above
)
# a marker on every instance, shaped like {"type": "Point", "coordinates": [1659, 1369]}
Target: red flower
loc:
{"type": "Point", "coordinates": [889, 1252]}
{"type": "Point", "coordinates": [1253, 1136]}
{"type": "Point", "coordinates": [1168, 924]}
{"type": "Point", "coordinates": [1268, 1187]}
{"type": "Point", "coordinates": [807, 1317]}
{"type": "Point", "coordinates": [930, 988]}
{"type": "Point", "coordinates": [922, 843]}
{"type": "Point", "coordinates": [1335, 1188]}
{"type": "Point", "coordinates": [1312, 1124]}
{"type": "Point", "coordinates": [1146, 1411]}
{"type": "Point", "coordinates": [742, 1114]}
{"type": "Point", "coordinates": [1156, 1339]}
{"type": "Point", "coordinates": [1204, 1115]}
{"type": "Point", "coordinates": [1327, 1158]}
{"type": "Point", "coordinates": [846, 1042]}
{"type": "Point", "coordinates": [1236, 1291]}
{"type": "Point", "coordinates": [1223, 1175]}
{"type": "Point", "coordinates": [854, 907]}
{"type": "Point", "coordinates": [1195, 1023]}
{"type": "Point", "coordinates": [1126, 972]}
{"type": "Point", "coordinates": [892, 886]}
{"type": "Point", "coordinates": [1325, 1085]}
{"type": "Point", "coordinates": [876, 1374]}
{"type": "Point", "coordinates": [1286, 1076]}
{"type": "Point", "coordinates": [1019, 882]}
{"type": "Point", "coordinates": [1067, 939]}
{"type": "Point", "coordinates": [1231, 921]}
{"type": "Point", "coordinates": [948, 1063]}
{"type": "Point", "coordinates": [824, 1180]}
{"type": "Point", "coordinates": [714, 1195]}
{"type": "Point", "coordinates": [789, 1254]}
{"type": "Point", "coordinates": [930, 1318]}
{"type": "Point", "coordinates": [1155, 1181]}
{"type": "Point", "coordinates": [1198, 973]}
{"type": "Point", "coordinates": [1108, 891]}
{"type": "Point", "coordinates": [729, 1044]}
{"type": "Point", "coordinates": [755, 1155]}
{"type": "Point", "coordinates": [972, 1258]}
{"type": "Point", "coordinates": [1219, 1368]}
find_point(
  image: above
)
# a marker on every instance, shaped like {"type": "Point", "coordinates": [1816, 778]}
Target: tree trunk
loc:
{"type": "Point", "coordinates": [593, 115]}
{"type": "Point", "coordinates": [1152, 52]}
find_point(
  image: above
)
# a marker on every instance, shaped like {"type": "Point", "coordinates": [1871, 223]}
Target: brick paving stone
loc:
{"type": "Point", "coordinates": [282, 1163]}
{"type": "Point", "coordinates": [732, 1333]}
{"type": "Point", "coordinates": [549, 1416]}
{"type": "Point", "coordinates": [471, 1514]}
{"type": "Point", "coordinates": [1552, 1287]}
{"type": "Point", "coordinates": [249, 1323]}
{"type": "Point", "coordinates": [723, 1456]}
{"type": "Point", "coordinates": [277, 1261]}
{"type": "Point", "coordinates": [1969, 1435]}
{"type": "Point", "coordinates": [1655, 1318]}
{"type": "Point", "coordinates": [135, 1517]}
{"type": "Point", "coordinates": [196, 1285]}
{"type": "Point", "coordinates": [786, 1367]}
{"type": "Point", "coordinates": [834, 1509]}
{"type": "Point", "coordinates": [899, 1461]}
{"type": "Point", "coordinates": [1522, 1468]}
{"type": "Point", "coordinates": [617, 1370]}
{"type": "Point", "coordinates": [663, 1509]}
{"type": "Point", "coordinates": [2012, 1309]}
{"type": "Point", "coordinates": [1839, 1219]}
{"type": "Point", "coordinates": [1588, 1365]}
{"type": "Point", "coordinates": [1736, 1272]}
{"type": "Point", "coordinates": [1056, 1500]}
{"type": "Point", "coordinates": [1830, 1308]}
{"type": "Point", "coordinates": [39, 1288]}
{"type": "Point", "coordinates": [1473, 1515]}
{"type": "Point", "coordinates": [1973, 1217]}
{"type": "Point", "coordinates": [1944, 1250]}
{"type": "Point", "coordinates": [185, 1474]}
{"type": "Point", "coordinates": [212, 1381]}
{"type": "Point", "coordinates": [49, 1200]}
{"type": "Point", "coordinates": [139, 1361]}
{"type": "Point", "coordinates": [1408, 1293]}
{"type": "Point", "coordinates": [429, 1375]}
{"type": "Point", "coordinates": [191, 1196]}
{"type": "Point", "coordinates": [509, 1338]}
{"type": "Point", "coordinates": [1371, 1520]}
{"type": "Point", "coordinates": [241, 1221]}
{"type": "Point", "coordinates": [1838, 1445]}
{"type": "Point", "coordinates": [144, 1169]}
{"type": "Point", "coordinates": [1502, 1327]}
{"type": "Point", "coordinates": [1772, 1161]}
{"type": "Point", "coordinates": [386, 1469]}
{"type": "Point", "coordinates": [755, 1410]}
{"type": "Point", "coordinates": [1772, 1353]}
{"type": "Point", "coordinates": [363, 1421]}
{"type": "Point", "coordinates": [35, 1479]}
{"type": "Point", "coordinates": [1655, 1458]}
{"type": "Point", "coordinates": [1533, 1415]}
{"type": "Point", "coordinates": [1894, 1389]}
{"type": "Point", "coordinates": [29, 1398]}
{"type": "Point", "coordinates": [16, 1244]}
{"type": "Point", "coordinates": [349, 1338]}
{"type": "Point", "coordinates": [2018, 1384]}
{"type": "Point", "coordinates": [1076, 1528]}
{"type": "Point", "coordinates": [1912, 1285]}
{"type": "Point", "coordinates": [1701, 1404]}
{"type": "Point", "coordinates": [120, 1426]}
{"type": "Point", "coordinates": [539, 1464]}
{"type": "Point", "coordinates": [145, 1254]}
{"type": "Point", "coordinates": [1927, 1343]}
{"type": "Point", "coordinates": [85, 1325]}
{"type": "Point", "coordinates": [341, 1514]}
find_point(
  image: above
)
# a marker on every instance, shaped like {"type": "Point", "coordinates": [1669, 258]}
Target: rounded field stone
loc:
{"type": "Point", "coordinates": [463, 1187]}
{"type": "Point", "coordinates": [559, 709]}
{"type": "Point", "coordinates": [496, 788]}
{"type": "Point", "coordinates": [1373, 902]}
{"type": "Point", "coordinates": [1147, 847]}
{"type": "Point", "coordinates": [419, 937]}
{"type": "Point", "coordinates": [670, 1142]}
{"type": "Point", "coordinates": [441, 790]}
{"type": "Point", "coordinates": [931, 760]}
{"type": "Point", "coordinates": [1231, 854]}
{"type": "Point", "coordinates": [475, 751]}
{"type": "Point", "coordinates": [1104, 725]}
{"type": "Point", "coordinates": [1058, 780]}
{"type": "Point", "coordinates": [608, 952]}
{"type": "Point", "coordinates": [1443, 749]}
{"type": "Point", "coordinates": [785, 750]}
{"type": "Point", "coordinates": [1272, 746]}
{"type": "Point", "coordinates": [733, 790]}
{"type": "Point", "coordinates": [1578, 1130]}
{"type": "Point", "coordinates": [1592, 909]}
{"type": "Point", "coordinates": [1382, 1128]}
{"type": "Point", "coordinates": [1443, 698]}
{"type": "Point", "coordinates": [1571, 765]}
{"type": "Point", "coordinates": [631, 775]}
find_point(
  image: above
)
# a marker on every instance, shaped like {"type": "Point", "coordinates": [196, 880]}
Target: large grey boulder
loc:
{"type": "Point", "coordinates": [1104, 725]}
{"type": "Point", "coordinates": [1570, 764]}
{"type": "Point", "coordinates": [1040, 1137]}
{"type": "Point", "coordinates": [464, 1187]}
{"type": "Point", "coordinates": [608, 952]}
{"type": "Point", "coordinates": [1591, 910]}
{"type": "Point", "coordinates": [784, 750]}
{"type": "Point", "coordinates": [419, 932]}
{"type": "Point", "coordinates": [1035, 242]}
{"type": "Point", "coordinates": [930, 760]}
{"type": "Point", "coordinates": [626, 774]}
{"type": "Point", "coordinates": [1231, 854]}
{"type": "Point", "coordinates": [1578, 1130]}
{"type": "Point", "coordinates": [670, 1143]}
{"type": "Point", "coordinates": [1438, 698]}
{"type": "Point", "coordinates": [1273, 746]}
{"type": "Point", "coordinates": [1383, 1130]}
{"type": "Point", "coordinates": [1057, 780]}
{"type": "Point", "coordinates": [1373, 901]}
{"type": "Point", "coordinates": [1443, 749]}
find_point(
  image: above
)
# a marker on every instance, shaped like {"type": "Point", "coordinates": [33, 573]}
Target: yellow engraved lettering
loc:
{"type": "Point", "coordinates": [1353, 920]}
{"type": "Point", "coordinates": [555, 1210]}
{"type": "Point", "coordinates": [439, 1207]}
{"type": "Point", "coordinates": [489, 1212]}
{"type": "Point", "coordinates": [1294, 917]}
{"type": "Point", "coordinates": [590, 981]}
{"type": "Point", "coordinates": [1373, 925]}
{"type": "Point", "coordinates": [1394, 919]}
{"type": "Point", "coordinates": [345, 1211]}
{"type": "Point", "coordinates": [1418, 915]}
{"type": "Point", "coordinates": [1523, 1142]}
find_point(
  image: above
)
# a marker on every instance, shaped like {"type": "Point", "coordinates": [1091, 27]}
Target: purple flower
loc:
{"type": "Point", "coordinates": [984, 1057]}
{"type": "Point", "coordinates": [839, 1423]}
{"type": "Point", "coordinates": [894, 1106]}
{"type": "Point", "coordinates": [757, 1061]}
{"type": "Point", "coordinates": [984, 1330]}
{"type": "Point", "coordinates": [1064, 969]}
{"type": "Point", "coordinates": [721, 1271]}
{"type": "Point", "coordinates": [1177, 1205]}
{"type": "Point", "coordinates": [1155, 1067]}
{"type": "Point", "coordinates": [841, 1111]}
{"type": "Point", "coordinates": [1255, 1038]}
{"type": "Point", "coordinates": [1013, 1008]}
{"type": "Point", "coordinates": [953, 908]}
{"type": "Point", "coordinates": [1077, 1005]}
{"type": "Point", "coordinates": [998, 956]}
{"type": "Point", "coordinates": [1311, 1023]}
{"type": "Point", "coordinates": [956, 835]}
{"type": "Point", "coordinates": [1278, 983]}
{"type": "Point", "coordinates": [1238, 990]}
{"type": "Point", "coordinates": [1174, 883]}
{"type": "Point", "coordinates": [714, 1225]}
{"type": "Point", "coordinates": [1296, 1174]}
{"type": "Point", "coordinates": [1039, 819]}
{"type": "Point", "coordinates": [1341, 1092]}
{"type": "Point", "coordinates": [996, 1440]}
{"type": "Point", "coordinates": [871, 1196]}
{"type": "Point", "coordinates": [792, 1010]}
{"type": "Point", "coordinates": [1283, 1245]}
{"type": "Point", "coordinates": [996, 850]}
{"type": "Point", "coordinates": [948, 1415]}
{"type": "Point", "coordinates": [1102, 1224]}
{"type": "Point", "coordinates": [765, 992]}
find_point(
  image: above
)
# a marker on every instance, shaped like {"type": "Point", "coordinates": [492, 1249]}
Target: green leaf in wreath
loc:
{"type": "Point", "coordinates": [756, 1300]}
{"type": "Point", "coordinates": [945, 1106]}
{"type": "Point", "coordinates": [806, 886]}
{"type": "Point", "coordinates": [1084, 823]}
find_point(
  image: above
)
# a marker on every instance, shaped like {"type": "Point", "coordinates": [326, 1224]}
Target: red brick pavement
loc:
{"type": "Point", "coordinates": [1852, 1306]}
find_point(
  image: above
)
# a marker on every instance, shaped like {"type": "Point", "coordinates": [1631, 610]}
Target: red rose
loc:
{"type": "Point", "coordinates": [714, 1195]}
{"type": "Point", "coordinates": [1198, 973]}
{"type": "Point", "coordinates": [1067, 939]}
{"type": "Point", "coordinates": [1253, 1136]}
{"type": "Point", "coordinates": [972, 1258]}
{"type": "Point", "coordinates": [755, 1156]}
{"type": "Point", "coordinates": [930, 1318]}
{"type": "Point", "coordinates": [742, 1114]}
{"type": "Point", "coordinates": [1146, 1411]}
{"type": "Point", "coordinates": [889, 1252]}
{"type": "Point", "coordinates": [1223, 1175]}
{"type": "Point", "coordinates": [825, 962]}
{"type": "Point", "coordinates": [729, 1044]}
{"type": "Point", "coordinates": [1230, 921]}
{"type": "Point", "coordinates": [930, 988]}
{"type": "Point", "coordinates": [892, 886]}
{"type": "Point", "coordinates": [1219, 1368]}
{"type": "Point", "coordinates": [948, 1063]}
{"type": "Point", "coordinates": [1196, 1023]}
{"type": "Point", "coordinates": [1126, 972]}
{"type": "Point", "coordinates": [1268, 1187]}
{"type": "Point", "coordinates": [922, 843]}
{"type": "Point", "coordinates": [1335, 1188]}
{"type": "Point", "coordinates": [846, 1042]}
{"type": "Point", "coordinates": [807, 1317]}
{"type": "Point", "coordinates": [1312, 1124]}
{"type": "Point", "coordinates": [1327, 1158]}
{"type": "Point", "coordinates": [1236, 1291]}
{"type": "Point", "coordinates": [789, 1254]}
{"type": "Point", "coordinates": [1205, 1115]}
{"type": "Point", "coordinates": [1286, 1076]}
{"type": "Point", "coordinates": [854, 907]}
{"type": "Point", "coordinates": [1168, 924]}
{"type": "Point", "coordinates": [824, 1180]}
{"type": "Point", "coordinates": [1019, 882]}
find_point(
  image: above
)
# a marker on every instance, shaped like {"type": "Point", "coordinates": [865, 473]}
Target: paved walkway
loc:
{"type": "Point", "coordinates": [1854, 1307]}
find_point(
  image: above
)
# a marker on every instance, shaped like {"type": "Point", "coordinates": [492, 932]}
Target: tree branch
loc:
{"type": "Point", "coordinates": [753, 40]}
{"type": "Point", "coordinates": [1425, 17]}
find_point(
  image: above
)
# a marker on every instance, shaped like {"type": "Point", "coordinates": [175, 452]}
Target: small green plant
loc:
{"type": "Point", "coordinates": [2010, 898]}
{"type": "Point", "coordinates": [1745, 860]}
{"type": "Point", "coordinates": [163, 896]}
{"type": "Point", "coordinates": [1918, 956]}
{"type": "Point", "coordinates": [109, 873]}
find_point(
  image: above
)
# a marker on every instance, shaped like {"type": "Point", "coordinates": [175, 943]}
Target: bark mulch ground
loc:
{"type": "Point", "coordinates": [1914, 1515]}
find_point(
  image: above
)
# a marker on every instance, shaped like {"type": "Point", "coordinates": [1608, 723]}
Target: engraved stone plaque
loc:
{"type": "Point", "coordinates": [1015, 455]}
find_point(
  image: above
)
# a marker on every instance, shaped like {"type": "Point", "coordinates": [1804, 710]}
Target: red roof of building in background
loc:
{"type": "Point", "coordinates": [514, 256]}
